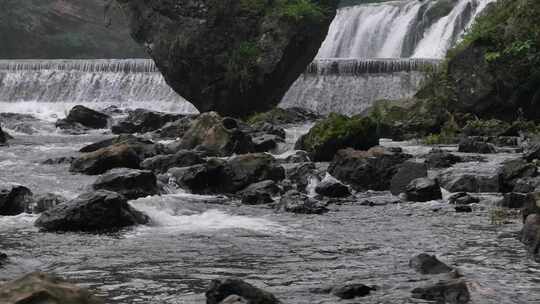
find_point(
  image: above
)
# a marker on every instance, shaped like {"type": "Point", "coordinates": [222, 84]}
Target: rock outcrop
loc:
{"type": "Point", "coordinates": [232, 57]}
{"type": "Point", "coordinates": [14, 199]}
{"type": "Point", "coordinates": [37, 288]}
{"type": "Point", "coordinates": [93, 212]}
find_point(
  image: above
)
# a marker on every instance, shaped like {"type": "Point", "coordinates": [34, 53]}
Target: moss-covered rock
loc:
{"type": "Point", "coordinates": [233, 57]}
{"type": "Point", "coordinates": [338, 132]}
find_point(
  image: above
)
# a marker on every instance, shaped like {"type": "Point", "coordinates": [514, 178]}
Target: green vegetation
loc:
{"type": "Point", "coordinates": [242, 61]}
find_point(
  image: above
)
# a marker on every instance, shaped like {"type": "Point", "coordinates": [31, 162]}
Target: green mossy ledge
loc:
{"type": "Point", "coordinates": [235, 57]}
{"type": "Point", "coordinates": [338, 132]}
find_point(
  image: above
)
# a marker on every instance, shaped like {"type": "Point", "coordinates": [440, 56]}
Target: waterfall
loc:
{"type": "Point", "coordinates": [51, 87]}
{"type": "Point", "coordinates": [397, 29]}
{"type": "Point", "coordinates": [350, 86]}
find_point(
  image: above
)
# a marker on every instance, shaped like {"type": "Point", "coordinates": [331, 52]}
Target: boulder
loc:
{"type": "Point", "coordinates": [352, 290]}
{"type": "Point", "coordinates": [437, 158]}
{"type": "Point", "coordinates": [131, 183]}
{"type": "Point", "coordinates": [296, 202]}
{"type": "Point", "coordinates": [222, 289]}
{"type": "Point", "coordinates": [143, 147]}
{"type": "Point", "coordinates": [182, 158]}
{"type": "Point", "coordinates": [367, 170]}
{"type": "Point", "coordinates": [47, 201]}
{"type": "Point", "coordinates": [406, 172]}
{"type": "Point", "coordinates": [3, 259]}
{"type": "Point", "coordinates": [331, 187]}
{"type": "Point", "coordinates": [463, 209]}
{"type": "Point", "coordinates": [217, 135]}
{"type": "Point", "coordinates": [462, 198]}
{"type": "Point", "coordinates": [3, 137]}
{"type": "Point", "coordinates": [530, 235]}
{"type": "Point", "coordinates": [469, 181]}
{"type": "Point", "coordinates": [469, 145]}
{"type": "Point", "coordinates": [300, 174]}
{"type": "Point", "coordinates": [337, 132]}
{"type": "Point", "coordinates": [41, 288]}
{"type": "Point", "coordinates": [258, 49]}
{"type": "Point", "coordinates": [283, 117]}
{"type": "Point", "coordinates": [423, 190]}
{"type": "Point", "coordinates": [428, 264]}
{"type": "Point", "coordinates": [260, 193]}
{"type": "Point", "coordinates": [448, 292]}
{"type": "Point", "coordinates": [102, 160]}
{"type": "Point", "coordinates": [532, 205]}
{"type": "Point", "coordinates": [80, 115]}
{"type": "Point", "coordinates": [95, 211]}
{"type": "Point", "coordinates": [265, 142]}
{"type": "Point", "coordinates": [514, 200]}
{"type": "Point", "coordinates": [527, 184]}
{"type": "Point", "coordinates": [174, 129]}
{"type": "Point", "coordinates": [298, 157]}
{"type": "Point", "coordinates": [142, 121]}
{"type": "Point", "coordinates": [14, 199]}
{"type": "Point", "coordinates": [219, 176]}
{"type": "Point", "coordinates": [513, 170]}
{"type": "Point", "coordinates": [532, 152]}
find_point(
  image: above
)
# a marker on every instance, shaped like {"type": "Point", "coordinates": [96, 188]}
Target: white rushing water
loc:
{"type": "Point", "coordinates": [410, 28]}
{"type": "Point", "coordinates": [49, 88]}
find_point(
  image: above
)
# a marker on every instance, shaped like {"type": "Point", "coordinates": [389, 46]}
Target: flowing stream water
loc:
{"type": "Point", "coordinates": [193, 239]}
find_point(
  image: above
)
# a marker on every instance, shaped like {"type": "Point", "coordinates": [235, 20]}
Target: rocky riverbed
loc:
{"type": "Point", "coordinates": [276, 219]}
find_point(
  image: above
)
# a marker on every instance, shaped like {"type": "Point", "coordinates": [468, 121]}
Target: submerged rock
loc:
{"type": "Point", "coordinates": [41, 288]}
{"type": "Point", "coordinates": [95, 211]}
{"type": "Point", "coordinates": [428, 264]}
{"type": "Point", "coordinates": [222, 289]}
{"type": "Point", "coordinates": [142, 121]}
{"type": "Point", "coordinates": [296, 202]}
{"type": "Point", "coordinates": [182, 158]}
{"type": "Point", "coordinates": [102, 160]}
{"type": "Point", "coordinates": [257, 49]}
{"type": "Point", "coordinates": [338, 132]}
{"type": "Point", "coordinates": [83, 116]}
{"type": "Point", "coordinates": [462, 198]}
{"type": "Point", "coordinates": [423, 190]}
{"type": "Point", "coordinates": [59, 160]}
{"type": "Point", "coordinates": [47, 201]}
{"type": "Point", "coordinates": [217, 135]}
{"type": "Point", "coordinates": [367, 170]}
{"type": "Point", "coordinates": [352, 290]}
{"type": "Point", "coordinates": [131, 183]}
{"type": "Point", "coordinates": [469, 145]}
{"type": "Point", "coordinates": [14, 199]}
{"type": "Point", "coordinates": [3, 259]}
{"type": "Point", "coordinates": [448, 292]}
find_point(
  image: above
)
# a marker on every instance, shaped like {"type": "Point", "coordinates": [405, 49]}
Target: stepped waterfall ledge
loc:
{"type": "Point", "coordinates": [349, 75]}
{"type": "Point", "coordinates": [52, 87]}
{"type": "Point", "coordinates": [350, 86]}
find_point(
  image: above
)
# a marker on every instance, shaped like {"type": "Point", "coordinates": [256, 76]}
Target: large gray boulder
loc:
{"type": "Point", "coordinates": [93, 212]}
{"type": "Point", "coordinates": [233, 57]}
{"type": "Point", "coordinates": [131, 183]}
{"type": "Point", "coordinates": [14, 199]}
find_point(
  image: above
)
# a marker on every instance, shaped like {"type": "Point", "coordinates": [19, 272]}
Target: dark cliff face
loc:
{"type": "Point", "coordinates": [235, 57]}
{"type": "Point", "coordinates": [64, 29]}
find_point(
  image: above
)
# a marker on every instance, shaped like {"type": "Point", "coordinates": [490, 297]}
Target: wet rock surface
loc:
{"type": "Point", "coordinates": [296, 202]}
{"type": "Point", "coordinates": [47, 201]}
{"type": "Point", "coordinates": [102, 160]}
{"type": "Point", "coordinates": [331, 187]}
{"type": "Point", "coordinates": [93, 212]}
{"type": "Point", "coordinates": [470, 145]}
{"type": "Point", "coordinates": [85, 117]}
{"type": "Point", "coordinates": [142, 121]}
{"type": "Point", "coordinates": [352, 290]}
{"type": "Point", "coordinates": [222, 289]}
{"type": "Point", "coordinates": [182, 158]}
{"type": "Point", "coordinates": [38, 288]}
{"type": "Point", "coordinates": [14, 199]}
{"type": "Point", "coordinates": [428, 264]}
{"type": "Point", "coordinates": [450, 292]}
{"type": "Point", "coordinates": [405, 174]}
{"type": "Point", "coordinates": [131, 183]}
{"type": "Point", "coordinates": [423, 190]}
